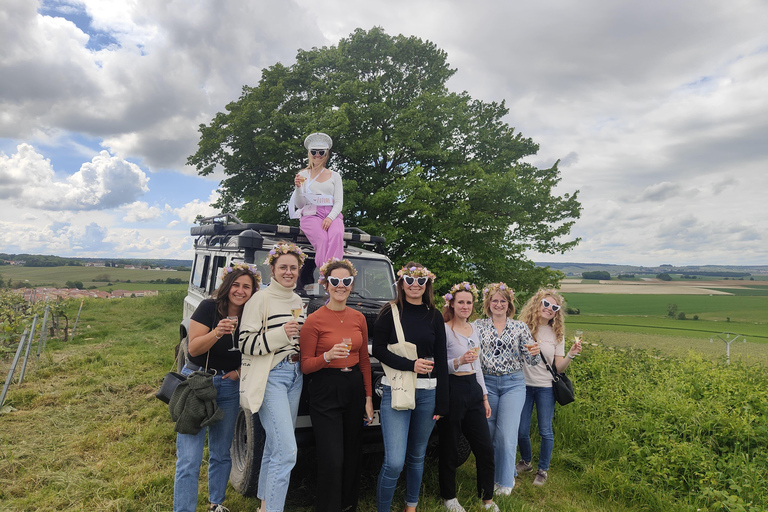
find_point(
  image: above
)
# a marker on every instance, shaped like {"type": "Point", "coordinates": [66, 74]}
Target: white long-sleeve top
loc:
{"type": "Point", "coordinates": [457, 345]}
{"type": "Point", "coordinates": [331, 187]}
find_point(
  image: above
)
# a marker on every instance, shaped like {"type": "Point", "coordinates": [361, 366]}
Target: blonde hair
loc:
{"type": "Point", "coordinates": [492, 289]}
{"type": "Point", "coordinates": [531, 313]}
{"type": "Point", "coordinates": [322, 164]}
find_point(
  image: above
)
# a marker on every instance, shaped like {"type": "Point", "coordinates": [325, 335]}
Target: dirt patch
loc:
{"type": "Point", "coordinates": [644, 288]}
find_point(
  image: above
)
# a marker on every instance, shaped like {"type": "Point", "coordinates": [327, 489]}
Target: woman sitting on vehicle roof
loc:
{"type": "Point", "coordinates": [318, 199]}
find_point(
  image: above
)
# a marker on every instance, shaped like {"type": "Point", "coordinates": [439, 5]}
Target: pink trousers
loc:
{"type": "Point", "coordinates": [328, 244]}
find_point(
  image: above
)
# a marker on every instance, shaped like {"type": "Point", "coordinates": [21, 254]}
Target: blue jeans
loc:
{"type": "Point", "coordinates": [406, 434]}
{"type": "Point", "coordinates": [278, 417]}
{"type": "Point", "coordinates": [189, 450]}
{"type": "Point", "coordinates": [544, 399]}
{"type": "Point", "coordinates": [506, 396]}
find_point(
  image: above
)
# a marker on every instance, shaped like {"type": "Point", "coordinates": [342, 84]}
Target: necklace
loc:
{"type": "Point", "coordinates": [337, 316]}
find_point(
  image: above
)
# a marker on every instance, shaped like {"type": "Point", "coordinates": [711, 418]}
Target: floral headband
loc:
{"type": "Point", "coordinates": [324, 268]}
{"type": "Point", "coordinates": [416, 272]}
{"type": "Point", "coordinates": [285, 248]}
{"type": "Point", "coordinates": [494, 288]}
{"type": "Point", "coordinates": [242, 266]}
{"type": "Point", "coordinates": [463, 286]}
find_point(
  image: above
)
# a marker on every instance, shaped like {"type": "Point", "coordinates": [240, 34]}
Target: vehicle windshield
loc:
{"type": "Point", "coordinates": [374, 278]}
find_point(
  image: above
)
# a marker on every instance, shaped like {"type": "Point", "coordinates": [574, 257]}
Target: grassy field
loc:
{"type": "Point", "coordinates": [57, 276]}
{"type": "Point", "coordinates": [650, 431]}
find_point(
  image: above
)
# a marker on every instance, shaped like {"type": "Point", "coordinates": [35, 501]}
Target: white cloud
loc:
{"type": "Point", "coordinates": [139, 211]}
{"type": "Point", "coordinates": [104, 182]}
{"type": "Point", "coordinates": [189, 212]}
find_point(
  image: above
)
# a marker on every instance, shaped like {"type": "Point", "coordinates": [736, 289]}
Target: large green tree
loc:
{"type": "Point", "coordinates": [438, 173]}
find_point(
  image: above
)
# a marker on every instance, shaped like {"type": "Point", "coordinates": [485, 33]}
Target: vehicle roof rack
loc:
{"type": "Point", "coordinates": [220, 225]}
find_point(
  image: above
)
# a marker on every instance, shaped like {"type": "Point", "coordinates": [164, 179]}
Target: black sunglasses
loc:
{"type": "Point", "coordinates": [409, 280]}
{"type": "Point", "coordinates": [554, 307]}
{"type": "Point", "coordinates": [314, 152]}
{"type": "Point", "coordinates": [346, 281]}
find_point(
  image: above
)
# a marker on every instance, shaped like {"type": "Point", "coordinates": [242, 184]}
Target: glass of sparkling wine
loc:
{"type": "Point", "coordinates": [476, 350]}
{"type": "Point", "coordinates": [432, 361]}
{"type": "Point", "coordinates": [578, 336]}
{"type": "Point", "coordinates": [296, 312]}
{"type": "Point", "coordinates": [233, 320]}
{"type": "Point", "coordinates": [348, 345]}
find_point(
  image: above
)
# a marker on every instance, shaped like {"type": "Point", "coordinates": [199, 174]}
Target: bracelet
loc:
{"type": "Point", "coordinates": [215, 332]}
{"type": "Point", "coordinates": [569, 356]}
{"type": "Point", "coordinates": [324, 359]}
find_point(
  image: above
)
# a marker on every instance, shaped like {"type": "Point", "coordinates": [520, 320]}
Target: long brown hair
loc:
{"type": "Point", "coordinates": [221, 295]}
{"type": "Point", "coordinates": [448, 312]}
{"type": "Point", "coordinates": [531, 313]}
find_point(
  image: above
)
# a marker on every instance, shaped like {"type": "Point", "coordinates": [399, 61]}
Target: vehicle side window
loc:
{"type": "Point", "coordinates": [200, 270]}
{"type": "Point", "coordinates": [215, 280]}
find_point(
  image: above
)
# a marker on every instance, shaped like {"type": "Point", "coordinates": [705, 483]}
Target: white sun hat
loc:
{"type": "Point", "coordinates": [318, 140]}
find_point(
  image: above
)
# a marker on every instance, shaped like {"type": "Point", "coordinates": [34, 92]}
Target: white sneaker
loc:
{"type": "Point", "coordinates": [454, 505]}
{"type": "Point", "coordinates": [500, 490]}
{"type": "Point", "coordinates": [492, 507]}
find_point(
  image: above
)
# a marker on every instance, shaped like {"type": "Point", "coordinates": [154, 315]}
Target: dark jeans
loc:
{"type": "Point", "coordinates": [337, 407]}
{"type": "Point", "coordinates": [466, 415]}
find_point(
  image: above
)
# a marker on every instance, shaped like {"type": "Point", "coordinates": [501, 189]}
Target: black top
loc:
{"type": "Point", "coordinates": [424, 328]}
{"type": "Point", "coordinates": [221, 358]}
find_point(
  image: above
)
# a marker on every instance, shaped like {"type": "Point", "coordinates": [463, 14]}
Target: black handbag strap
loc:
{"type": "Point", "coordinates": [552, 369]}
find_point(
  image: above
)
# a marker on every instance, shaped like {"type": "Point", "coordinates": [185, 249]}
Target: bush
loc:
{"type": "Point", "coordinates": [671, 310]}
{"type": "Point", "coordinates": [573, 311]}
{"type": "Point", "coordinates": [681, 316]}
{"type": "Point", "coordinates": [695, 317]}
{"type": "Point", "coordinates": [597, 274]}
{"type": "Point", "coordinates": [664, 277]}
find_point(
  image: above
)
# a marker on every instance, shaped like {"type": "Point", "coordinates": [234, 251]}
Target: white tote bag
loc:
{"type": "Point", "coordinates": [403, 383]}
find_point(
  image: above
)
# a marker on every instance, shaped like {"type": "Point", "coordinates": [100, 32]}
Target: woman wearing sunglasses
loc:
{"type": "Point", "coordinates": [543, 314]}
{"type": "Point", "coordinates": [317, 200]}
{"type": "Point", "coordinates": [334, 355]}
{"type": "Point", "coordinates": [406, 432]}
{"type": "Point", "coordinates": [506, 347]}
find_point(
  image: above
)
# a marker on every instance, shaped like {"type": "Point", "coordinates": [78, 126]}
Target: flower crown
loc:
{"type": "Point", "coordinates": [242, 266]}
{"type": "Point", "coordinates": [463, 286]}
{"type": "Point", "coordinates": [416, 272]}
{"type": "Point", "coordinates": [494, 288]}
{"type": "Point", "coordinates": [285, 248]}
{"type": "Point", "coordinates": [324, 268]}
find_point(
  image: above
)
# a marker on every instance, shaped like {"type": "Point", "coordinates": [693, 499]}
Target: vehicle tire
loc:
{"type": "Point", "coordinates": [247, 449]}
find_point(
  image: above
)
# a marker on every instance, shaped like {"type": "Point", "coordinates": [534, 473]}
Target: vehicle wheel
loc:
{"type": "Point", "coordinates": [246, 452]}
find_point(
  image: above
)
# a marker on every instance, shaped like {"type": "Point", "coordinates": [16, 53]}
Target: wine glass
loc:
{"type": "Point", "coordinates": [348, 345]}
{"type": "Point", "coordinates": [296, 312]}
{"type": "Point", "coordinates": [578, 336]}
{"type": "Point", "coordinates": [233, 320]}
{"type": "Point", "coordinates": [475, 349]}
{"type": "Point", "coordinates": [431, 360]}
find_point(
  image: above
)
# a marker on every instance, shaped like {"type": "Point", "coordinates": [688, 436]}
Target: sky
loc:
{"type": "Point", "coordinates": [657, 111]}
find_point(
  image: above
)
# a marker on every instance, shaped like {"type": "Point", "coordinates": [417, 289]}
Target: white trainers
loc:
{"type": "Point", "coordinates": [492, 507]}
{"type": "Point", "coordinates": [500, 490]}
{"type": "Point", "coordinates": [454, 505]}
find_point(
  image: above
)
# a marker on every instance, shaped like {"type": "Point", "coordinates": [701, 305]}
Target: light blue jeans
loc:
{"type": "Point", "coordinates": [506, 396]}
{"type": "Point", "coordinates": [406, 434]}
{"type": "Point", "coordinates": [278, 417]}
{"type": "Point", "coordinates": [544, 399]}
{"type": "Point", "coordinates": [189, 450]}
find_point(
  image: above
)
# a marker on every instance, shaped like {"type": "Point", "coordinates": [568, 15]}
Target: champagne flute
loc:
{"type": "Point", "coordinates": [233, 320]}
{"type": "Point", "coordinates": [348, 345]}
{"type": "Point", "coordinates": [296, 312]}
{"type": "Point", "coordinates": [431, 360]}
{"type": "Point", "coordinates": [476, 350]}
{"type": "Point", "coordinates": [578, 336]}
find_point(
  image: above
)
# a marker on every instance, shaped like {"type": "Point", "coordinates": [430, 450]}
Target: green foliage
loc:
{"type": "Point", "coordinates": [681, 315]}
{"type": "Point", "coordinates": [597, 275]}
{"type": "Point", "coordinates": [691, 430]}
{"type": "Point", "coordinates": [74, 284]}
{"type": "Point", "coordinates": [664, 276]}
{"type": "Point", "coordinates": [439, 174]}
{"type": "Point", "coordinates": [671, 310]}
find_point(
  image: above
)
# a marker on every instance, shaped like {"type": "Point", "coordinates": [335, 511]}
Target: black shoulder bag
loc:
{"type": "Point", "coordinates": [562, 386]}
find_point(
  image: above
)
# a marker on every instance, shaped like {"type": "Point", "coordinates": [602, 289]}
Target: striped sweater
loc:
{"type": "Point", "coordinates": [254, 339]}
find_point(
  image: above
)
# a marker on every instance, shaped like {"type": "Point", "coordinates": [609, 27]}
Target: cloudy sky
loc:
{"type": "Point", "coordinates": [657, 110]}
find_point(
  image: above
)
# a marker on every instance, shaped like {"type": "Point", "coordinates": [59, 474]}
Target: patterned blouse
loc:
{"type": "Point", "coordinates": [501, 355]}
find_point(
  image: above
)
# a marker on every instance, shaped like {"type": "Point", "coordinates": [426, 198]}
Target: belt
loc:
{"type": "Point", "coordinates": [292, 358]}
{"type": "Point", "coordinates": [195, 368]}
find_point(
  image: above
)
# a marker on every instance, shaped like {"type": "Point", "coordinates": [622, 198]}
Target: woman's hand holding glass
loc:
{"type": "Point", "coordinates": [291, 328]}
{"type": "Point", "coordinates": [470, 356]}
{"type": "Point", "coordinates": [298, 180]}
{"type": "Point", "coordinates": [423, 366]}
{"type": "Point", "coordinates": [338, 351]}
{"type": "Point", "coordinates": [533, 348]}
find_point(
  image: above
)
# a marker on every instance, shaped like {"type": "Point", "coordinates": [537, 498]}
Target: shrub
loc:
{"type": "Point", "coordinates": [573, 311]}
{"type": "Point", "coordinates": [695, 317]}
{"type": "Point", "coordinates": [681, 315]}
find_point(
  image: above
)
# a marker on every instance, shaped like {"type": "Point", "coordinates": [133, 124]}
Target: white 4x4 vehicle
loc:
{"type": "Point", "coordinates": [225, 240]}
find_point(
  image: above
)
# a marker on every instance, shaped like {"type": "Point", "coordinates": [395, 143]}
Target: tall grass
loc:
{"type": "Point", "coordinates": [647, 432]}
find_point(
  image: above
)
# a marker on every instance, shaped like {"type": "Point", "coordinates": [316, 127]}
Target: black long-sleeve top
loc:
{"type": "Point", "coordinates": [424, 328]}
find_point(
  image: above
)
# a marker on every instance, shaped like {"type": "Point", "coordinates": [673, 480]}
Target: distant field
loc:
{"type": "Point", "coordinates": [57, 276]}
{"type": "Point", "coordinates": [648, 314]}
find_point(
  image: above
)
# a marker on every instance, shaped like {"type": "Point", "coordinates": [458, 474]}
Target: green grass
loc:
{"type": "Point", "coordinates": [57, 276]}
{"type": "Point", "coordinates": [650, 431]}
